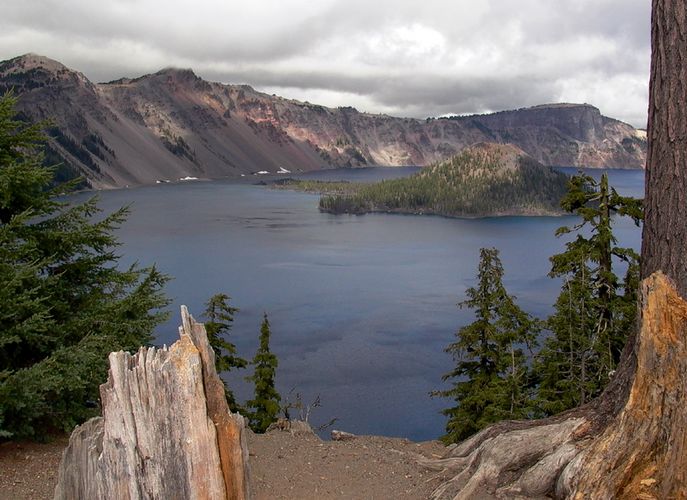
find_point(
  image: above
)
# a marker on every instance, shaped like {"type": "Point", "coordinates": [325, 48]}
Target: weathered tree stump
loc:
{"type": "Point", "coordinates": [641, 452]}
{"type": "Point", "coordinates": [166, 430]}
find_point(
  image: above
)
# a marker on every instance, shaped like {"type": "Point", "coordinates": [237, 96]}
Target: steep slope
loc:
{"type": "Point", "coordinates": [50, 91]}
{"type": "Point", "coordinates": [486, 179]}
{"type": "Point", "coordinates": [160, 127]}
{"type": "Point", "coordinates": [173, 124]}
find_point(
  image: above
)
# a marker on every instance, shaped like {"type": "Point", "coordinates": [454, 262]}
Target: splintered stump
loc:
{"type": "Point", "coordinates": [643, 452]}
{"type": "Point", "coordinates": [166, 430]}
{"type": "Point", "coordinates": [627, 444]}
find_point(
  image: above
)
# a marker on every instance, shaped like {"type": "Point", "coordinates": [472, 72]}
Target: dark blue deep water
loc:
{"type": "Point", "coordinates": [361, 307]}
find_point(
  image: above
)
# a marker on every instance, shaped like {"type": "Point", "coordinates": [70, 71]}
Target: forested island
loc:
{"type": "Point", "coordinates": [484, 180]}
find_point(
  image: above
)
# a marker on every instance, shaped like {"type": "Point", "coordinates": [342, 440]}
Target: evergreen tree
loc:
{"type": "Point", "coordinates": [220, 316]}
{"type": "Point", "coordinates": [264, 407]}
{"type": "Point", "coordinates": [592, 318]}
{"type": "Point", "coordinates": [566, 362]}
{"type": "Point", "coordinates": [64, 305]}
{"type": "Point", "coordinates": [491, 371]}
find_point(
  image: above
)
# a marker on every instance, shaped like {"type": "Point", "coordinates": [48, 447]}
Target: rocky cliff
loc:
{"type": "Point", "coordinates": [173, 124]}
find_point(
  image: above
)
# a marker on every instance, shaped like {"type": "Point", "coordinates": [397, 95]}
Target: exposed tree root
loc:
{"type": "Point", "coordinates": [511, 459]}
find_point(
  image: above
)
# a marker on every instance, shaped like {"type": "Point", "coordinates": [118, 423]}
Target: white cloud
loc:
{"type": "Point", "coordinates": [413, 44]}
{"type": "Point", "coordinates": [395, 56]}
{"type": "Point", "coordinates": [621, 95]}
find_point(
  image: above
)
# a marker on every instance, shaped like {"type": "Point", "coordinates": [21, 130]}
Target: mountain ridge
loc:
{"type": "Point", "coordinates": [173, 124]}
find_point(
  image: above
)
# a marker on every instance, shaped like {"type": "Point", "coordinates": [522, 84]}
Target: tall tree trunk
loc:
{"type": "Point", "coordinates": [632, 441]}
{"type": "Point", "coordinates": [643, 451]}
{"type": "Point", "coordinates": [664, 240]}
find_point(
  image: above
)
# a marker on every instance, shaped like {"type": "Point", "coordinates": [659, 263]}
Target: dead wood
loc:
{"type": "Point", "coordinates": [166, 430]}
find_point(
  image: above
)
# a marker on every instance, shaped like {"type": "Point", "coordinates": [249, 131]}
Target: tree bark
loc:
{"type": "Point", "coordinates": [632, 441]}
{"type": "Point", "coordinates": [664, 238]}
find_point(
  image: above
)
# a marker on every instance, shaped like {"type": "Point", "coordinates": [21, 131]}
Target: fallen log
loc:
{"type": "Point", "coordinates": [166, 430]}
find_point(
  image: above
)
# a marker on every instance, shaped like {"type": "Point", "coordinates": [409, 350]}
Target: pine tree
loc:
{"type": "Point", "coordinates": [493, 379]}
{"type": "Point", "coordinates": [220, 316]}
{"type": "Point", "coordinates": [264, 407]}
{"type": "Point", "coordinates": [567, 361]}
{"type": "Point", "coordinates": [592, 318]}
{"type": "Point", "coordinates": [64, 304]}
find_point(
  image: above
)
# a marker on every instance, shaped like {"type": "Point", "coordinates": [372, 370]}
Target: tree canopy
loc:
{"type": "Point", "coordinates": [592, 318]}
{"type": "Point", "coordinates": [264, 407]}
{"type": "Point", "coordinates": [220, 316]}
{"type": "Point", "coordinates": [65, 302]}
{"type": "Point", "coordinates": [491, 377]}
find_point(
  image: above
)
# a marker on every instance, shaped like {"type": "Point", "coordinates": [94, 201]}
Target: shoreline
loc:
{"type": "Point", "coordinates": [258, 179]}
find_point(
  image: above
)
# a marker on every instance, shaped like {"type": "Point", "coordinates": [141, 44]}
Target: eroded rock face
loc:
{"type": "Point", "coordinates": [172, 124]}
{"type": "Point", "coordinates": [165, 432]}
{"type": "Point", "coordinates": [570, 135]}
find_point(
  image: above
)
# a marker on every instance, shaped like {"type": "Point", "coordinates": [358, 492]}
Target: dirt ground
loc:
{"type": "Point", "coordinates": [284, 464]}
{"type": "Point", "coordinates": [28, 471]}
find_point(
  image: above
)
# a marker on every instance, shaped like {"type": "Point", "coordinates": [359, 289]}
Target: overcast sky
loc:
{"type": "Point", "coordinates": [407, 58]}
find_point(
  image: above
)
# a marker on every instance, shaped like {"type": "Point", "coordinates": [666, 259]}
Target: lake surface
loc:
{"type": "Point", "coordinates": [361, 307]}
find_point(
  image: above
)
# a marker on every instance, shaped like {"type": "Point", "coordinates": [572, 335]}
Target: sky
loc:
{"type": "Point", "coordinates": [413, 58]}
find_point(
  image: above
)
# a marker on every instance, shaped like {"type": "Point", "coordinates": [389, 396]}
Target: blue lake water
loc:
{"type": "Point", "coordinates": [361, 307]}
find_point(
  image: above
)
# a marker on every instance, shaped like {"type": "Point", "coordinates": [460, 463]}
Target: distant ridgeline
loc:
{"type": "Point", "coordinates": [172, 124]}
{"type": "Point", "coordinates": [484, 180]}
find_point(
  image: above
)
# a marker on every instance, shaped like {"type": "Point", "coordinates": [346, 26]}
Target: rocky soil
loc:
{"type": "Point", "coordinates": [284, 464]}
{"type": "Point", "coordinates": [28, 471]}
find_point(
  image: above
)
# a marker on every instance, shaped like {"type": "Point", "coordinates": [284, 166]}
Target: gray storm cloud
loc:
{"type": "Point", "coordinates": [401, 57]}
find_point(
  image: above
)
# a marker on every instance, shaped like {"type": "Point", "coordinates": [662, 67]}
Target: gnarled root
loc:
{"type": "Point", "coordinates": [511, 459]}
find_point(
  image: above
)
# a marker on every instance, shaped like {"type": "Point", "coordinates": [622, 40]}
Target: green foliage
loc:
{"type": "Point", "coordinates": [76, 150]}
{"type": "Point", "coordinates": [592, 318]}
{"type": "Point", "coordinates": [220, 316]}
{"type": "Point", "coordinates": [473, 183]}
{"type": "Point", "coordinates": [178, 146]}
{"type": "Point", "coordinates": [491, 378]}
{"type": "Point", "coordinates": [264, 407]}
{"type": "Point", "coordinates": [64, 305]}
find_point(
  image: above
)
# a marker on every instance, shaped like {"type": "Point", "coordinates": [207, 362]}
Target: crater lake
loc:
{"type": "Point", "coordinates": [361, 307]}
